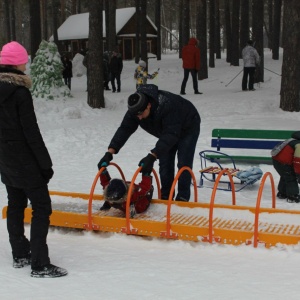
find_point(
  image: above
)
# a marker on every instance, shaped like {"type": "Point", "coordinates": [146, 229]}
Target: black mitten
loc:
{"type": "Point", "coordinates": [105, 160]}
{"type": "Point", "coordinates": [47, 174]}
{"type": "Point", "coordinates": [105, 206]}
{"type": "Point", "coordinates": [147, 164]}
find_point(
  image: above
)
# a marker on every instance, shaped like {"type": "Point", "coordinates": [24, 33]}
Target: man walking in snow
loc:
{"type": "Point", "coordinates": [174, 121]}
{"type": "Point", "coordinates": [190, 64]}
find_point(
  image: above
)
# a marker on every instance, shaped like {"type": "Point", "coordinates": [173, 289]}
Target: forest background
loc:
{"type": "Point", "coordinates": [219, 25]}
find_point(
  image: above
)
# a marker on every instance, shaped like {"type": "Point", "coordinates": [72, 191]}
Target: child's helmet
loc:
{"type": "Point", "coordinates": [116, 190]}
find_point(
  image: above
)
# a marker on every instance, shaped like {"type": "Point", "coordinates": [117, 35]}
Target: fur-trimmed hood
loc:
{"type": "Point", "coordinates": [15, 78]}
{"type": "Point", "coordinates": [10, 80]}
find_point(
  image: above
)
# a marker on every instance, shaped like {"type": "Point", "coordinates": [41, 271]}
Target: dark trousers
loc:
{"type": "Point", "coordinates": [288, 184]}
{"type": "Point", "coordinates": [248, 72]}
{"type": "Point", "coordinates": [68, 82]}
{"type": "Point", "coordinates": [116, 76]}
{"type": "Point", "coordinates": [185, 149]}
{"type": "Point", "coordinates": [186, 77]}
{"type": "Point", "coordinates": [41, 211]}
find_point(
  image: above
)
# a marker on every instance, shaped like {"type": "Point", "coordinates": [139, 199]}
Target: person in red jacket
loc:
{"type": "Point", "coordinates": [116, 191]}
{"type": "Point", "coordinates": [286, 161]}
{"type": "Point", "coordinates": [190, 64]}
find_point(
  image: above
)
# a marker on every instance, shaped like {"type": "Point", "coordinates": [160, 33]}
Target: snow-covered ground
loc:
{"type": "Point", "coordinates": [115, 266]}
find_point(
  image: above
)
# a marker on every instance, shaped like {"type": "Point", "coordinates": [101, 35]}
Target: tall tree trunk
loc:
{"type": "Point", "coordinates": [112, 38]}
{"type": "Point", "coordinates": [186, 22]}
{"type": "Point", "coordinates": [258, 36]}
{"type": "Point", "coordinates": [157, 24]}
{"type": "Point", "coordinates": [244, 31]}
{"type": "Point", "coordinates": [144, 50]}
{"type": "Point", "coordinates": [201, 30]}
{"type": "Point", "coordinates": [95, 60]}
{"type": "Point", "coordinates": [13, 20]}
{"type": "Point", "coordinates": [290, 87]}
{"type": "Point", "coordinates": [212, 33]}
{"type": "Point", "coordinates": [180, 28]}
{"type": "Point", "coordinates": [270, 15]}
{"type": "Point", "coordinates": [44, 20]}
{"type": "Point", "coordinates": [276, 27]}
{"type": "Point", "coordinates": [35, 26]}
{"type": "Point", "coordinates": [218, 31]}
{"type": "Point", "coordinates": [7, 20]}
{"type": "Point", "coordinates": [106, 6]}
{"type": "Point", "coordinates": [137, 31]}
{"type": "Point", "coordinates": [228, 30]}
{"type": "Point", "coordinates": [235, 33]}
{"type": "Point", "coordinates": [54, 9]}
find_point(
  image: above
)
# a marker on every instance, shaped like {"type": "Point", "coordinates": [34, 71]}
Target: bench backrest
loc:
{"type": "Point", "coordinates": [248, 138]}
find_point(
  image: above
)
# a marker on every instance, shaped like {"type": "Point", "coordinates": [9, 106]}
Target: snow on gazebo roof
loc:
{"type": "Point", "coordinates": [77, 26]}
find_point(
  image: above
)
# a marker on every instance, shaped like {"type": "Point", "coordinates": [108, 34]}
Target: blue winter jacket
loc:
{"type": "Point", "coordinates": [171, 117]}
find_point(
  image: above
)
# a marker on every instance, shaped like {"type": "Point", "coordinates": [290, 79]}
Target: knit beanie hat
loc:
{"type": "Point", "coordinates": [137, 103]}
{"type": "Point", "coordinates": [142, 64]}
{"type": "Point", "coordinates": [13, 54]}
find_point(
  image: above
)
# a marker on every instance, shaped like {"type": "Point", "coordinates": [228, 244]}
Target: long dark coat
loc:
{"type": "Point", "coordinates": [23, 153]}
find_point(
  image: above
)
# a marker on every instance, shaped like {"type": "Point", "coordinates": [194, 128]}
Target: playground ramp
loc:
{"type": "Point", "coordinates": [193, 221]}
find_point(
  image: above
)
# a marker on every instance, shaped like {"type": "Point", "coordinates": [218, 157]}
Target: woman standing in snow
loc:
{"type": "Point", "coordinates": [25, 165]}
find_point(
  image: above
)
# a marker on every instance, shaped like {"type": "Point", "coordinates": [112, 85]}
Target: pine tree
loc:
{"type": "Point", "coordinates": [46, 73]}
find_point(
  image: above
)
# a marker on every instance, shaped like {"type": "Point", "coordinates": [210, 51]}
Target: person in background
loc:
{"type": "Point", "coordinates": [286, 161]}
{"type": "Point", "coordinates": [67, 71]}
{"type": "Point", "coordinates": [174, 121]}
{"type": "Point", "coordinates": [251, 60]}
{"type": "Point", "coordinates": [141, 75]}
{"type": "Point", "coordinates": [116, 67]}
{"type": "Point", "coordinates": [25, 165]}
{"type": "Point", "coordinates": [190, 64]}
{"type": "Point", "coordinates": [106, 71]}
{"type": "Point", "coordinates": [116, 192]}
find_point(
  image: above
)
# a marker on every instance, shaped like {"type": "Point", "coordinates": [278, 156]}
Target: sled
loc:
{"type": "Point", "coordinates": [192, 221]}
{"type": "Point", "coordinates": [209, 173]}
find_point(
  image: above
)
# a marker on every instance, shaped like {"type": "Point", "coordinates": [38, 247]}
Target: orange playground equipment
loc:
{"type": "Point", "coordinates": [194, 221]}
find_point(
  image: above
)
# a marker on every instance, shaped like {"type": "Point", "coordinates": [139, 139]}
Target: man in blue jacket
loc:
{"type": "Point", "coordinates": [174, 121]}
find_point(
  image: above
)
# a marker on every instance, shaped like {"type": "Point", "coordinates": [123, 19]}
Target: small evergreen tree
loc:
{"type": "Point", "coordinates": [46, 73]}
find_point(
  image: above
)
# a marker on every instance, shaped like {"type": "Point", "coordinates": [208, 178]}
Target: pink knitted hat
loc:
{"type": "Point", "coordinates": [13, 54]}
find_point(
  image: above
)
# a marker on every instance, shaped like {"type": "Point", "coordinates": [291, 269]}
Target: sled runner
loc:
{"type": "Point", "coordinates": [194, 221]}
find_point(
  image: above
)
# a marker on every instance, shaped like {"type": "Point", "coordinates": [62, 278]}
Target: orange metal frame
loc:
{"type": "Point", "coordinates": [195, 228]}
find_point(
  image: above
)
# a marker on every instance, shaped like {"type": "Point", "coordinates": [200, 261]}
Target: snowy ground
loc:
{"type": "Point", "coordinates": [114, 266]}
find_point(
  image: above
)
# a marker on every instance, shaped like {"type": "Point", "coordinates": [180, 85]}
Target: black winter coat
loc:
{"type": "Point", "coordinates": [116, 64]}
{"type": "Point", "coordinates": [171, 117]}
{"type": "Point", "coordinates": [23, 153]}
{"type": "Point", "coordinates": [68, 69]}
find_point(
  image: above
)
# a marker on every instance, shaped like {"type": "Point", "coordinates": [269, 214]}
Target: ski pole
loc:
{"type": "Point", "coordinates": [272, 71]}
{"type": "Point", "coordinates": [234, 78]}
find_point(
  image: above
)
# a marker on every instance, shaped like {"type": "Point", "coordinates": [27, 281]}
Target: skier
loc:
{"type": "Point", "coordinates": [251, 60]}
{"type": "Point", "coordinates": [286, 161]}
{"type": "Point", "coordinates": [116, 191]}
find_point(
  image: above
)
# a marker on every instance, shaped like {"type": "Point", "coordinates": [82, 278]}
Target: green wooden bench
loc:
{"type": "Point", "coordinates": [245, 140]}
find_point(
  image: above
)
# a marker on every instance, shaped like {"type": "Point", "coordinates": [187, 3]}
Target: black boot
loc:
{"type": "Point", "coordinates": [20, 262]}
{"type": "Point", "coordinates": [182, 93]}
{"type": "Point", "coordinates": [48, 271]}
{"type": "Point", "coordinates": [198, 93]}
{"type": "Point", "coordinates": [293, 199]}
